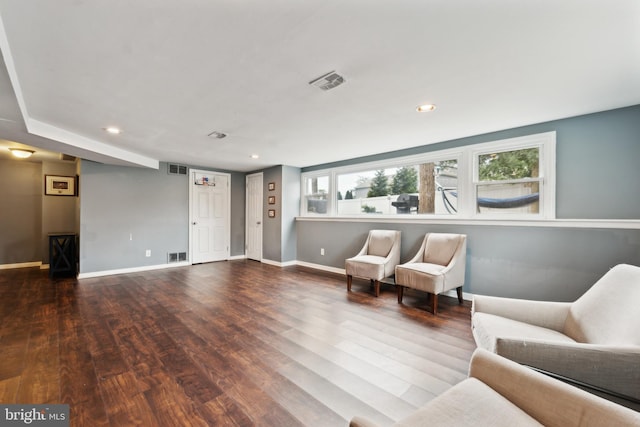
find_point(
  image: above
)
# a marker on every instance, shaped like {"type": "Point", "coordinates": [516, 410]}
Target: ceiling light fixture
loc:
{"type": "Point", "coordinates": [425, 108]}
{"type": "Point", "coordinates": [112, 130]}
{"type": "Point", "coordinates": [255, 156]}
{"type": "Point", "coordinates": [217, 135]}
{"type": "Point", "coordinates": [21, 152]}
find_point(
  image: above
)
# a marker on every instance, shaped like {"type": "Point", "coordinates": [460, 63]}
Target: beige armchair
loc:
{"type": "Point", "coordinates": [500, 392]}
{"type": "Point", "coordinates": [593, 342]}
{"type": "Point", "coordinates": [376, 260]}
{"type": "Point", "coordinates": [438, 266]}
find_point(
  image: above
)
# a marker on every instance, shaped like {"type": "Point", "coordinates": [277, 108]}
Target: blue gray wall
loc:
{"type": "Point", "coordinates": [27, 216]}
{"type": "Point", "coordinates": [125, 211]}
{"type": "Point", "coordinates": [597, 178]}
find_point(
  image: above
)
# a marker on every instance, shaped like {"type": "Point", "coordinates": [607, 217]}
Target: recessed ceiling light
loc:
{"type": "Point", "coordinates": [112, 130]}
{"type": "Point", "coordinates": [255, 156]}
{"type": "Point", "coordinates": [426, 108]}
{"type": "Point", "coordinates": [21, 152]}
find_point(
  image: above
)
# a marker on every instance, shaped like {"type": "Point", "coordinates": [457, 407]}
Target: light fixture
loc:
{"type": "Point", "coordinates": [425, 108]}
{"type": "Point", "coordinates": [255, 156]}
{"type": "Point", "coordinates": [112, 130]}
{"type": "Point", "coordinates": [21, 152]}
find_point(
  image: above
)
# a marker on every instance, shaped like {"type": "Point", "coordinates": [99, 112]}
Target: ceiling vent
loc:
{"type": "Point", "coordinates": [67, 158]}
{"type": "Point", "coordinates": [328, 81]}
{"type": "Point", "coordinates": [217, 135]}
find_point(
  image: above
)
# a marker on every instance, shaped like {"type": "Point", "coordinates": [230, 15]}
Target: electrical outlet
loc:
{"type": "Point", "coordinates": [148, 253]}
{"type": "Point", "coordinates": [322, 251]}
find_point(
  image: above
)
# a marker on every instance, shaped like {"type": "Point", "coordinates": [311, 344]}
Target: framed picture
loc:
{"type": "Point", "coordinates": [271, 200]}
{"type": "Point", "coordinates": [55, 185]}
{"type": "Point", "coordinates": [272, 213]}
{"type": "Point", "coordinates": [271, 186]}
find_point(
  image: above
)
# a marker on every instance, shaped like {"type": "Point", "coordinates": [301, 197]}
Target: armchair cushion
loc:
{"type": "Point", "coordinates": [440, 248]}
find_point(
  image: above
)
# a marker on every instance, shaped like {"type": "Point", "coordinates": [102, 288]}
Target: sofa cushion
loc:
{"type": "Point", "coordinates": [489, 328]}
{"type": "Point", "coordinates": [366, 266]}
{"type": "Point", "coordinates": [608, 312]}
{"type": "Point", "coordinates": [440, 248]}
{"type": "Point", "coordinates": [469, 403]}
{"type": "Point", "coordinates": [381, 242]}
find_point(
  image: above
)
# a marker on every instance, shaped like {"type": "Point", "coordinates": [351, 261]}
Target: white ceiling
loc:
{"type": "Point", "coordinates": [168, 73]}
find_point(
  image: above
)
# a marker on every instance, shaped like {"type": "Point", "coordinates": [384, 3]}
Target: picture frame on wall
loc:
{"type": "Point", "coordinates": [271, 200]}
{"type": "Point", "coordinates": [272, 213]}
{"type": "Point", "coordinates": [271, 186]}
{"type": "Point", "coordinates": [56, 185]}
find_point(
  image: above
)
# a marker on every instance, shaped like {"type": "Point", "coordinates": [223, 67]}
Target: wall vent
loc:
{"type": "Point", "coordinates": [328, 81]}
{"type": "Point", "coordinates": [176, 257]}
{"type": "Point", "coordinates": [175, 169]}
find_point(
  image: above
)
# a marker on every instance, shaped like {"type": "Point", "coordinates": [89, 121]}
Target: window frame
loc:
{"type": "Point", "coordinates": [466, 156]}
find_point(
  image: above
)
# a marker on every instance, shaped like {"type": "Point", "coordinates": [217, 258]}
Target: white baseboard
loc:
{"type": "Point", "coordinates": [321, 267]}
{"type": "Point", "coordinates": [234, 257]}
{"type": "Point", "coordinates": [20, 265]}
{"type": "Point", "coordinates": [278, 263]}
{"type": "Point", "coordinates": [132, 270]}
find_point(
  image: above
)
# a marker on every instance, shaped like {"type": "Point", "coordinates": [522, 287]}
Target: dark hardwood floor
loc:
{"type": "Point", "coordinates": [234, 343]}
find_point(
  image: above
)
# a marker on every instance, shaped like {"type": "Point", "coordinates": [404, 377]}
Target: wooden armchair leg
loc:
{"type": "Point", "coordinates": [400, 293]}
{"type": "Point", "coordinates": [435, 304]}
{"type": "Point", "coordinates": [349, 280]}
{"type": "Point", "coordinates": [376, 291]}
{"type": "Point", "coordinates": [459, 290]}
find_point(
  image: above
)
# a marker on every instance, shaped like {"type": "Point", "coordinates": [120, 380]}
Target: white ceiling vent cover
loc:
{"type": "Point", "coordinates": [328, 81]}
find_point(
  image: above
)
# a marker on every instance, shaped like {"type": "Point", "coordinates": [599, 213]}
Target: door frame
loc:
{"type": "Point", "coordinates": [190, 222]}
{"type": "Point", "coordinates": [246, 213]}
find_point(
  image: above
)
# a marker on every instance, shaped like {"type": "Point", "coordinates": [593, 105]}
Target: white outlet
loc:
{"type": "Point", "coordinates": [321, 251]}
{"type": "Point", "coordinates": [147, 253]}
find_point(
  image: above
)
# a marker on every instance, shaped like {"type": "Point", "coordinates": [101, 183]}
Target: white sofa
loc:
{"type": "Point", "coordinates": [500, 392]}
{"type": "Point", "coordinates": [594, 340]}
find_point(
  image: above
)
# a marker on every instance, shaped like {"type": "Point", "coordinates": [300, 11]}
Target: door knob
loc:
{"type": "Point", "coordinates": [194, 223]}
{"type": "Point", "coordinates": [259, 222]}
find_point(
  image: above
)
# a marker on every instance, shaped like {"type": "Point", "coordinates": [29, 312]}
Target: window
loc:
{"type": "Point", "coordinates": [316, 195]}
{"type": "Point", "coordinates": [503, 179]}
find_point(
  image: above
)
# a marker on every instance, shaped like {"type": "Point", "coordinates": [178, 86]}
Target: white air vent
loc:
{"type": "Point", "coordinates": [176, 257]}
{"type": "Point", "coordinates": [328, 81]}
{"type": "Point", "coordinates": [174, 169]}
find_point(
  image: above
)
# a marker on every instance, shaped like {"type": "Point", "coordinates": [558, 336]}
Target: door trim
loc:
{"type": "Point", "coordinates": [246, 213]}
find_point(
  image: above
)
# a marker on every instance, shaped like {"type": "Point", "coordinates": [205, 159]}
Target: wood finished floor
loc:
{"type": "Point", "coordinates": [234, 343]}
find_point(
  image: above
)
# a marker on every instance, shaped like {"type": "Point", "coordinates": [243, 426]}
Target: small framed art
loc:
{"type": "Point", "coordinates": [271, 213]}
{"type": "Point", "coordinates": [271, 200]}
{"type": "Point", "coordinates": [271, 186]}
{"type": "Point", "coordinates": [55, 185]}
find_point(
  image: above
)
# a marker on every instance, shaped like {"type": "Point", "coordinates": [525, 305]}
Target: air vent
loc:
{"type": "Point", "coordinates": [328, 81]}
{"type": "Point", "coordinates": [67, 158]}
{"type": "Point", "coordinates": [175, 169]}
{"type": "Point", "coordinates": [176, 257]}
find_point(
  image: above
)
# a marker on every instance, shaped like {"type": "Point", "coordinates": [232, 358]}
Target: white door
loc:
{"type": "Point", "coordinates": [210, 230]}
{"type": "Point", "coordinates": [253, 246]}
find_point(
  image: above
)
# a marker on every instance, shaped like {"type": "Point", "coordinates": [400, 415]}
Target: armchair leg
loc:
{"type": "Point", "coordinates": [377, 288]}
{"type": "Point", "coordinates": [435, 304]}
{"type": "Point", "coordinates": [459, 290]}
{"type": "Point", "coordinates": [400, 293]}
{"type": "Point", "coordinates": [349, 279]}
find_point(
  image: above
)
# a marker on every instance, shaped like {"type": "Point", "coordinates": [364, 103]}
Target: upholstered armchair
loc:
{"type": "Point", "coordinates": [500, 393]}
{"type": "Point", "coordinates": [376, 260]}
{"type": "Point", "coordinates": [593, 342]}
{"type": "Point", "coordinates": [438, 266]}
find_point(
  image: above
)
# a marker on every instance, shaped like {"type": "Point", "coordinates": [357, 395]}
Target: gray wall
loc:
{"type": "Point", "coordinates": [27, 216]}
{"type": "Point", "coordinates": [597, 178]}
{"type": "Point", "coordinates": [290, 210]}
{"type": "Point", "coordinates": [151, 206]}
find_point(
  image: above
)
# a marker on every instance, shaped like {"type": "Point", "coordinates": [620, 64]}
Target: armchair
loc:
{"type": "Point", "coordinates": [592, 342]}
{"type": "Point", "coordinates": [377, 258]}
{"type": "Point", "coordinates": [438, 266]}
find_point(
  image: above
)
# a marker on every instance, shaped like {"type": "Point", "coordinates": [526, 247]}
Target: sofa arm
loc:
{"type": "Point", "coordinates": [612, 368]}
{"type": "Point", "coordinates": [550, 315]}
{"type": "Point", "coordinates": [361, 422]}
{"type": "Point", "coordinates": [549, 401]}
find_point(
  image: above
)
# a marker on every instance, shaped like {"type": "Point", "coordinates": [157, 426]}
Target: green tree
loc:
{"type": "Point", "coordinates": [379, 185]}
{"type": "Point", "coordinates": [405, 181]}
{"type": "Point", "coordinates": [349, 195]}
{"type": "Point", "coordinates": [508, 165]}
{"type": "Point", "coordinates": [339, 195]}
